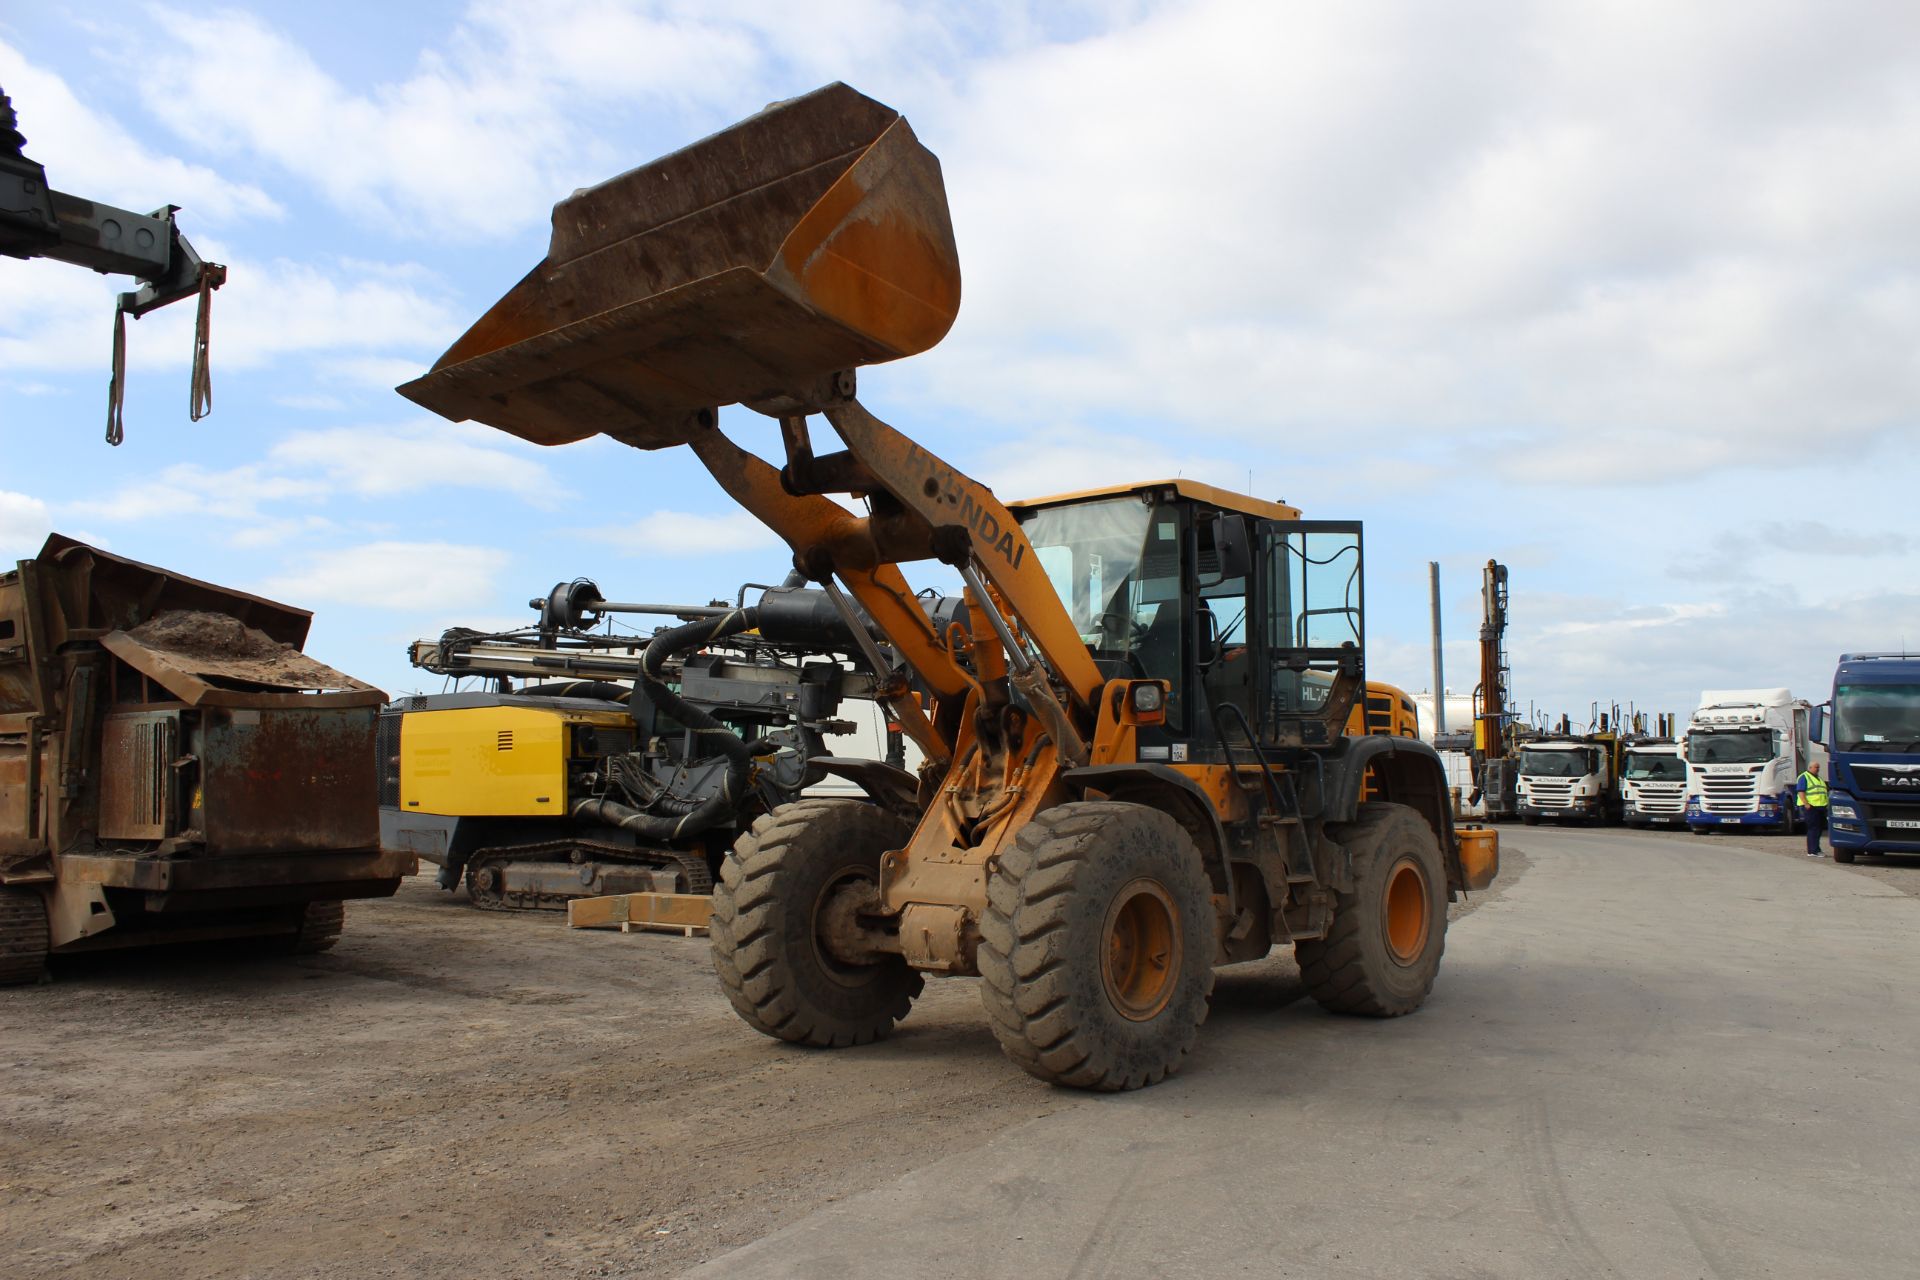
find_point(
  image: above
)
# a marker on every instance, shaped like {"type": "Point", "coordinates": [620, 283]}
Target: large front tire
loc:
{"type": "Point", "coordinates": [1383, 951]}
{"type": "Point", "coordinates": [1096, 954]}
{"type": "Point", "coordinates": [767, 917]}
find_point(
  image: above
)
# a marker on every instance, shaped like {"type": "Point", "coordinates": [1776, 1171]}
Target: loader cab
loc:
{"type": "Point", "coordinates": [1254, 617]}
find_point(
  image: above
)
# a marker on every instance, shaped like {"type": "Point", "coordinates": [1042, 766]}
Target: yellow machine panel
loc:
{"type": "Point", "coordinates": [491, 762]}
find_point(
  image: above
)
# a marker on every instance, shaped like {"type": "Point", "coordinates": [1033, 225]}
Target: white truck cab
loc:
{"type": "Point", "coordinates": [1566, 779]}
{"type": "Point", "coordinates": [1653, 784]}
{"type": "Point", "coordinates": [1744, 749]}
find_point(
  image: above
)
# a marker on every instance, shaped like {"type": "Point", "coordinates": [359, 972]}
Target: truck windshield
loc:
{"type": "Point", "coordinates": [1570, 762]}
{"type": "Point", "coordinates": [1116, 566]}
{"type": "Point", "coordinates": [1876, 717]}
{"type": "Point", "coordinates": [1744, 746]}
{"type": "Point", "coordinates": [1646, 766]}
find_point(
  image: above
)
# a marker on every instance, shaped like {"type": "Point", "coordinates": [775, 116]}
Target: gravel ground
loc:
{"type": "Point", "coordinates": [459, 1093]}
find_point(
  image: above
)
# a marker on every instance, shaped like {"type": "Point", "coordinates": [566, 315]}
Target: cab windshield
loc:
{"type": "Point", "coordinates": [1115, 564]}
{"type": "Point", "coordinates": [1565, 763]}
{"type": "Point", "coordinates": [1652, 767]}
{"type": "Point", "coordinates": [1744, 746]}
{"type": "Point", "coordinates": [1876, 717]}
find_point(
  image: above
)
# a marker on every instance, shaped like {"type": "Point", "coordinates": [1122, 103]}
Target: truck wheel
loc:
{"type": "Point", "coordinates": [768, 911]}
{"type": "Point", "coordinates": [1531, 819]}
{"type": "Point", "coordinates": [1701, 831]}
{"type": "Point", "coordinates": [23, 936]}
{"type": "Point", "coordinates": [319, 929]}
{"type": "Point", "coordinates": [1382, 954]}
{"type": "Point", "coordinates": [1096, 953]}
{"type": "Point", "coordinates": [1842, 855]}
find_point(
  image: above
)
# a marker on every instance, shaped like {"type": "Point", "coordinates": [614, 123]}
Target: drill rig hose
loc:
{"type": "Point", "coordinates": [721, 805]}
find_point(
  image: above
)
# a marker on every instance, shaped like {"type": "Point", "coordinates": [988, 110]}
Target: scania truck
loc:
{"type": "Point", "coordinates": [1570, 779]}
{"type": "Point", "coordinates": [1653, 784]}
{"type": "Point", "coordinates": [1744, 748]}
{"type": "Point", "coordinates": [1874, 734]}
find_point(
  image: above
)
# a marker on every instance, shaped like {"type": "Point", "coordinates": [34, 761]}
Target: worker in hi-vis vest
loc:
{"type": "Point", "coordinates": [1811, 796]}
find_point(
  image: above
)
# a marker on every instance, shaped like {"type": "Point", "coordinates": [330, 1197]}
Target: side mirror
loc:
{"type": "Point", "coordinates": [1817, 724]}
{"type": "Point", "coordinates": [1233, 540]}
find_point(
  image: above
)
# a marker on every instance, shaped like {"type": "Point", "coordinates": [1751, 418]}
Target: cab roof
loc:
{"type": "Point", "coordinates": [1193, 490]}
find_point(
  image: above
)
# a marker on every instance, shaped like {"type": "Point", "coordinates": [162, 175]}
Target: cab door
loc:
{"type": "Point", "coordinates": [1311, 644]}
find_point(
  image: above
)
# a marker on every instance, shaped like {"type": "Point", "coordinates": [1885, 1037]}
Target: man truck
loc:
{"type": "Point", "coordinates": [1872, 728]}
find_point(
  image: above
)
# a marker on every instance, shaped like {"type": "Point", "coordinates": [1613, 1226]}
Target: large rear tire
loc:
{"type": "Point", "coordinates": [24, 939]}
{"type": "Point", "coordinates": [768, 913]}
{"type": "Point", "coordinates": [1383, 952]}
{"type": "Point", "coordinates": [1096, 954]}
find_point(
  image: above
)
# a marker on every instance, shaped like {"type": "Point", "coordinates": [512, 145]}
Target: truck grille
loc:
{"type": "Point", "coordinates": [1550, 793]}
{"type": "Point", "coordinates": [1728, 793]}
{"type": "Point", "coordinates": [1880, 813]}
{"type": "Point", "coordinates": [1660, 797]}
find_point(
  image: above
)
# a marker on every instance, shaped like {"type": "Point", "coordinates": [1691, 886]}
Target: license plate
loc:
{"type": "Point", "coordinates": [1905, 824]}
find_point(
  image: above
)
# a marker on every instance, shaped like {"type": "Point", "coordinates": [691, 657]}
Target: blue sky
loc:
{"type": "Point", "coordinates": [1626, 295]}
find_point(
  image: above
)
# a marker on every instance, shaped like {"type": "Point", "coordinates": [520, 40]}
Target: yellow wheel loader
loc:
{"type": "Point", "coordinates": [1141, 757]}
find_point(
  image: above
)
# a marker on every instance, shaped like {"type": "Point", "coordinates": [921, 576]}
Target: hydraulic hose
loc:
{"type": "Point", "coordinates": [721, 805]}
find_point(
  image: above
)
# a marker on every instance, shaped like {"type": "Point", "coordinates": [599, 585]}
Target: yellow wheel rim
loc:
{"type": "Point", "coordinates": [1408, 911]}
{"type": "Point", "coordinates": [1140, 961]}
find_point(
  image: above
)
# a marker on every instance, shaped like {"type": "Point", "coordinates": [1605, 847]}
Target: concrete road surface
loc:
{"type": "Point", "coordinates": [1651, 1056]}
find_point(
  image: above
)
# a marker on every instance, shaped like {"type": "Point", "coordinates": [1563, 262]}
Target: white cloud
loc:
{"type": "Point", "coordinates": [24, 524]}
{"type": "Point", "coordinates": [88, 155]}
{"type": "Point", "coordinates": [378, 461]}
{"type": "Point", "coordinates": [394, 575]}
{"type": "Point", "coordinates": [278, 497]}
{"type": "Point", "coordinates": [249, 492]}
{"type": "Point", "coordinates": [1569, 651]}
{"type": "Point", "coordinates": [60, 318]}
{"type": "Point", "coordinates": [478, 138]}
{"type": "Point", "coordinates": [679, 533]}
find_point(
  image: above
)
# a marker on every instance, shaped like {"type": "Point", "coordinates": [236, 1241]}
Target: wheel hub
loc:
{"type": "Point", "coordinates": [1140, 962]}
{"type": "Point", "coordinates": [1408, 910]}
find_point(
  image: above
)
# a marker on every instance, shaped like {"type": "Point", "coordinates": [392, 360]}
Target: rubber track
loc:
{"type": "Point", "coordinates": [1023, 983]}
{"type": "Point", "coordinates": [1330, 967]}
{"type": "Point", "coordinates": [23, 936]}
{"type": "Point", "coordinates": [320, 926]}
{"type": "Point", "coordinates": [745, 916]}
{"type": "Point", "coordinates": [690, 865]}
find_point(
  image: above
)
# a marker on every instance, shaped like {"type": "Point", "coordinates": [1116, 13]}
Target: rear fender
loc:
{"type": "Point", "coordinates": [1405, 771]}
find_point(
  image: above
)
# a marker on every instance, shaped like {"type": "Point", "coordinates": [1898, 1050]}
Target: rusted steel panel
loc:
{"type": "Point", "coordinates": [288, 780]}
{"type": "Point", "coordinates": [138, 782]}
{"type": "Point", "coordinates": [188, 674]}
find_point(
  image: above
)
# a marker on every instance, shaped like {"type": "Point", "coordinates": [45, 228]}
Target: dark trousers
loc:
{"type": "Point", "coordinates": [1816, 816]}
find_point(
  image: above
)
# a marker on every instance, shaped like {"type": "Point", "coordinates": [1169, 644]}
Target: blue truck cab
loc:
{"type": "Point", "coordinates": [1872, 727]}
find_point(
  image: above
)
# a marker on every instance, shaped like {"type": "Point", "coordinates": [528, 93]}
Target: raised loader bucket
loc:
{"type": "Point", "coordinates": [809, 239]}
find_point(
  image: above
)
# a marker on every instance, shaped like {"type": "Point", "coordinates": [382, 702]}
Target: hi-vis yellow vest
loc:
{"type": "Point", "coordinates": [1815, 795]}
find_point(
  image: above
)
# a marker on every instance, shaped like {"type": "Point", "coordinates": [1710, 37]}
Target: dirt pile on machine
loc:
{"type": "Point", "coordinates": [1142, 759]}
{"type": "Point", "coordinates": [172, 766]}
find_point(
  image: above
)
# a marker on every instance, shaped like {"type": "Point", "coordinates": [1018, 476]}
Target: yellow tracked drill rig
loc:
{"type": "Point", "coordinates": [1139, 760]}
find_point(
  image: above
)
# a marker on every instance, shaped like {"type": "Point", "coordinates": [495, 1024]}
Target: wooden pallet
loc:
{"type": "Point", "coordinates": [682, 913]}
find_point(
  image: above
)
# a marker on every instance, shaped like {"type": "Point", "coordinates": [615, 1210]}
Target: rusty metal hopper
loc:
{"type": "Point", "coordinates": [811, 238]}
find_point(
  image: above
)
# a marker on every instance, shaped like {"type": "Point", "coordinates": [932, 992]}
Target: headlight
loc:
{"type": "Point", "coordinates": [1841, 809]}
{"type": "Point", "coordinates": [1148, 697]}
